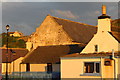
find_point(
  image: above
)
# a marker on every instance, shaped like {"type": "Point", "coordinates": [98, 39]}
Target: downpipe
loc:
{"type": "Point", "coordinates": [114, 59]}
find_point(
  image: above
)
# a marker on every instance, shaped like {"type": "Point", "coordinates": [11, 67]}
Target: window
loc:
{"type": "Point", "coordinates": [49, 67]}
{"type": "Point", "coordinates": [27, 67]}
{"type": "Point", "coordinates": [91, 67]}
{"type": "Point", "coordinates": [96, 48]}
{"type": "Point", "coordinates": [31, 47]}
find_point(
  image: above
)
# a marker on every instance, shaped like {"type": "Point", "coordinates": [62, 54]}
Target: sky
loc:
{"type": "Point", "coordinates": [27, 16]}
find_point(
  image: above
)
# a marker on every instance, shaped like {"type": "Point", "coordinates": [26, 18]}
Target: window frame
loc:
{"type": "Point", "coordinates": [94, 72]}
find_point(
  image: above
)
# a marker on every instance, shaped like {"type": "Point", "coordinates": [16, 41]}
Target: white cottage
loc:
{"type": "Point", "coordinates": [105, 40]}
{"type": "Point", "coordinates": [99, 59]}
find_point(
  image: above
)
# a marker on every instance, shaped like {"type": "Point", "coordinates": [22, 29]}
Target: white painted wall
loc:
{"type": "Point", "coordinates": [105, 41]}
{"type": "Point", "coordinates": [73, 67]}
{"type": "Point", "coordinates": [104, 25]}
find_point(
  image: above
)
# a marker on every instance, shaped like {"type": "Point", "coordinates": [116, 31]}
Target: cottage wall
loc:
{"type": "Point", "coordinates": [74, 68]}
{"type": "Point", "coordinates": [105, 41]}
{"type": "Point", "coordinates": [4, 68]}
{"type": "Point", "coordinates": [17, 67]}
{"type": "Point", "coordinates": [38, 67]}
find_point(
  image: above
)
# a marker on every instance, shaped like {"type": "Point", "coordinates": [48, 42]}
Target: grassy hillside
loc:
{"type": "Point", "coordinates": [13, 42]}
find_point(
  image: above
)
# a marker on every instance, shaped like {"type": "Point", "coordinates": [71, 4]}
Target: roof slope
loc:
{"type": "Point", "coordinates": [18, 51]}
{"type": "Point", "coordinates": [116, 29]}
{"type": "Point", "coordinates": [75, 31]}
{"type": "Point", "coordinates": [79, 32]}
{"type": "Point", "coordinates": [115, 25]}
{"type": "Point", "coordinates": [83, 33]}
{"type": "Point", "coordinates": [50, 54]}
{"type": "Point", "coordinates": [116, 35]}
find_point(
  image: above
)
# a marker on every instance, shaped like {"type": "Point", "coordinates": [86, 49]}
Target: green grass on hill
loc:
{"type": "Point", "coordinates": [13, 42]}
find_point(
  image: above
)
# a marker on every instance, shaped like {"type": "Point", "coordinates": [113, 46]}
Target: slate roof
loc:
{"type": "Point", "coordinates": [18, 51]}
{"type": "Point", "coordinates": [115, 25]}
{"type": "Point", "coordinates": [116, 29]}
{"type": "Point", "coordinates": [79, 32]}
{"type": "Point", "coordinates": [116, 35]}
{"type": "Point", "coordinates": [50, 54]}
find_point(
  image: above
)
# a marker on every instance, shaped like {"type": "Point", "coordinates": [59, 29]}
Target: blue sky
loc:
{"type": "Point", "coordinates": [27, 16]}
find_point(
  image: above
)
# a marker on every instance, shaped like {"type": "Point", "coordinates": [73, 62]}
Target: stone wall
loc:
{"type": "Point", "coordinates": [50, 33]}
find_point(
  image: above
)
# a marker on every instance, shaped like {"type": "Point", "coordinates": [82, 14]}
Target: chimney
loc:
{"type": "Point", "coordinates": [103, 10]}
{"type": "Point", "coordinates": [104, 21]}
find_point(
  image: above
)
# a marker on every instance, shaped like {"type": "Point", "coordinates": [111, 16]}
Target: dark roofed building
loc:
{"type": "Point", "coordinates": [16, 52]}
{"type": "Point", "coordinates": [12, 59]}
{"type": "Point", "coordinates": [50, 54]}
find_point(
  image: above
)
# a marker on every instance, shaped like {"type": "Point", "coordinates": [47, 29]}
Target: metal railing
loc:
{"type": "Point", "coordinates": [34, 75]}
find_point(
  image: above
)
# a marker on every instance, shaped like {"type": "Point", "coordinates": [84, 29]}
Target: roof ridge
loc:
{"type": "Point", "coordinates": [72, 21]}
{"type": "Point", "coordinates": [12, 48]}
{"type": "Point", "coordinates": [62, 45]}
{"type": "Point", "coordinates": [53, 19]}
